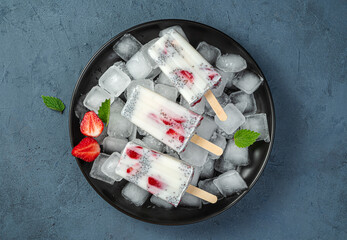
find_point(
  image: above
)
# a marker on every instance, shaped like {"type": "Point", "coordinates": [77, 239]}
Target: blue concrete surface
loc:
{"type": "Point", "coordinates": [299, 45]}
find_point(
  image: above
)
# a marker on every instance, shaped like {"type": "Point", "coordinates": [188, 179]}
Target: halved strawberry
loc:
{"type": "Point", "coordinates": [91, 125]}
{"type": "Point", "coordinates": [87, 150]}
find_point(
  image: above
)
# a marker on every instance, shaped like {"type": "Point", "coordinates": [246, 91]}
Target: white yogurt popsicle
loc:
{"type": "Point", "coordinates": [184, 66]}
{"type": "Point", "coordinates": [157, 173]}
{"type": "Point", "coordinates": [165, 120]}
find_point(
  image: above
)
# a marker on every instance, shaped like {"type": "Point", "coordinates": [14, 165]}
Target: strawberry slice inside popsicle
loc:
{"type": "Point", "coordinates": [154, 185]}
{"type": "Point", "coordinates": [133, 169]}
{"type": "Point", "coordinates": [133, 153]}
{"type": "Point", "coordinates": [185, 75]}
{"type": "Point", "coordinates": [174, 134]}
{"type": "Point", "coordinates": [154, 182]}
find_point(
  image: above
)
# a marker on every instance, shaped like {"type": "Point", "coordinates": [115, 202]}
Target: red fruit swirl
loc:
{"type": "Point", "coordinates": [132, 154]}
{"type": "Point", "coordinates": [154, 182]}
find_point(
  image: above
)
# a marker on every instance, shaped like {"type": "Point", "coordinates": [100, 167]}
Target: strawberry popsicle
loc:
{"type": "Point", "coordinates": [194, 59]}
{"type": "Point", "coordinates": [165, 120]}
{"type": "Point", "coordinates": [162, 175]}
{"type": "Point", "coordinates": [189, 72]}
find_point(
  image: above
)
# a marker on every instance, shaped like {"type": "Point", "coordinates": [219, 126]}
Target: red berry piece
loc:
{"type": "Point", "coordinates": [133, 169]}
{"type": "Point", "coordinates": [155, 183]}
{"type": "Point", "coordinates": [174, 134]}
{"type": "Point", "coordinates": [91, 125]}
{"type": "Point", "coordinates": [87, 150]}
{"type": "Point", "coordinates": [133, 154]}
{"type": "Point", "coordinates": [186, 75]}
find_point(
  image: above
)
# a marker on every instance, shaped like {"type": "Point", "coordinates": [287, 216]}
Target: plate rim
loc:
{"type": "Point", "coordinates": [267, 90]}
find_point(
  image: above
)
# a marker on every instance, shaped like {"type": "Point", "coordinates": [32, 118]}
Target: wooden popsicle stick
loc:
{"type": "Point", "coordinates": [197, 192]}
{"type": "Point", "coordinates": [201, 142]}
{"type": "Point", "coordinates": [217, 108]}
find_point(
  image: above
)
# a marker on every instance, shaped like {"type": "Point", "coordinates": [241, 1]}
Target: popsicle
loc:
{"type": "Point", "coordinates": [162, 175]}
{"type": "Point", "coordinates": [189, 72]}
{"type": "Point", "coordinates": [165, 120]}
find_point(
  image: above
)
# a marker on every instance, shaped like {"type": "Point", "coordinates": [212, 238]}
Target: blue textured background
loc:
{"type": "Point", "coordinates": [299, 45]}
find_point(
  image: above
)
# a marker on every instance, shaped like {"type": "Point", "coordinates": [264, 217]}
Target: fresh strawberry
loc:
{"type": "Point", "coordinates": [91, 125]}
{"type": "Point", "coordinates": [87, 150]}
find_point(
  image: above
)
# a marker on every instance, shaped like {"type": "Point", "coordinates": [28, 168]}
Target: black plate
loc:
{"type": "Point", "coordinates": [259, 152]}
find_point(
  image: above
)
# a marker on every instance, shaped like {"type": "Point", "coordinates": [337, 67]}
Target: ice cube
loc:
{"type": "Point", "coordinates": [207, 128]}
{"type": "Point", "coordinates": [221, 165]}
{"type": "Point", "coordinates": [145, 48]}
{"type": "Point", "coordinates": [196, 176]}
{"type": "Point", "coordinates": [133, 134]}
{"type": "Point", "coordinates": [171, 152]}
{"type": "Point", "coordinates": [199, 107]}
{"type": "Point", "coordinates": [229, 88]}
{"type": "Point", "coordinates": [114, 81]}
{"type": "Point", "coordinates": [109, 167]}
{"type": "Point", "coordinates": [95, 97]}
{"type": "Point", "coordinates": [168, 92]}
{"type": "Point", "coordinates": [102, 136]}
{"type": "Point", "coordinates": [121, 65]}
{"type": "Point", "coordinates": [241, 97]}
{"type": "Point", "coordinates": [127, 46]}
{"type": "Point", "coordinates": [153, 143]}
{"type": "Point", "coordinates": [155, 72]}
{"type": "Point", "coordinates": [194, 155]}
{"type": "Point", "coordinates": [118, 125]}
{"type": "Point", "coordinates": [258, 123]}
{"type": "Point", "coordinates": [117, 105]}
{"type": "Point", "coordinates": [234, 121]}
{"type": "Point", "coordinates": [247, 81]}
{"type": "Point", "coordinates": [142, 132]}
{"type": "Point", "coordinates": [139, 142]}
{"type": "Point", "coordinates": [229, 183]}
{"type": "Point", "coordinates": [138, 66]}
{"type": "Point", "coordinates": [229, 76]}
{"type": "Point", "coordinates": [241, 106]}
{"type": "Point", "coordinates": [220, 141]}
{"type": "Point", "coordinates": [231, 63]}
{"type": "Point", "coordinates": [189, 200]}
{"type": "Point", "coordinates": [80, 109]}
{"type": "Point", "coordinates": [112, 144]}
{"type": "Point", "coordinates": [142, 82]}
{"type": "Point", "coordinates": [209, 52]}
{"type": "Point", "coordinates": [160, 202]}
{"type": "Point", "coordinates": [208, 169]}
{"type": "Point", "coordinates": [219, 89]}
{"type": "Point", "coordinates": [223, 101]}
{"type": "Point", "coordinates": [224, 134]}
{"type": "Point", "coordinates": [236, 155]}
{"type": "Point", "coordinates": [176, 28]}
{"type": "Point", "coordinates": [96, 172]}
{"type": "Point", "coordinates": [135, 194]}
{"type": "Point", "coordinates": [210, 187]}
{"type": "Point", "coordinates": [163, 79]}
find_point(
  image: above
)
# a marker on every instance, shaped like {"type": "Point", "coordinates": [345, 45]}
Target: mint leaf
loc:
{"type": "Point", "coordinates": [245, 138]}
{"type": "Point", "coordinates": [104, 111]}
{"type": "Point", "coordinates": [53, 103]}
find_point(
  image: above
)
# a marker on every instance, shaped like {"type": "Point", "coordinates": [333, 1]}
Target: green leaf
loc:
{"type": "Point", "coordinates": [104, 111]}
{"type": "Point", "coordinates": [53, 103]}
{"type": "Point", "coordinates": [245, 138]}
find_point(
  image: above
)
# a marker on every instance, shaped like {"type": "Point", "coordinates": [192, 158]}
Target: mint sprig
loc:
{"type": "Point", "coordinates": [245, 138]}
{"type": "Point", "coordinates": [104, 111]}
{"type": "Point", "coordinates": [53, 103]}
